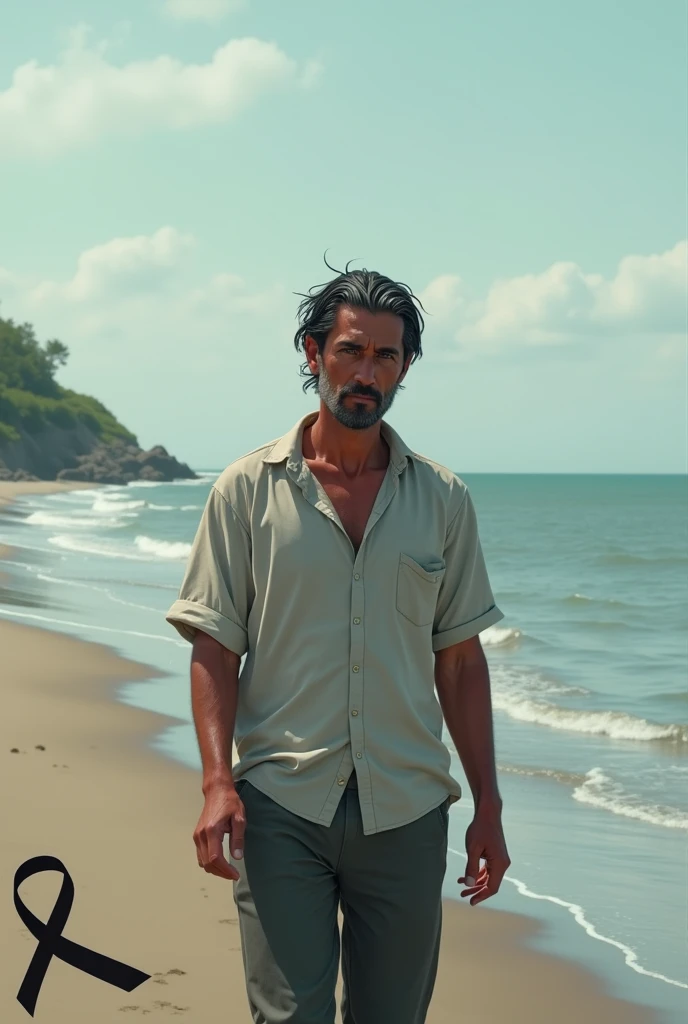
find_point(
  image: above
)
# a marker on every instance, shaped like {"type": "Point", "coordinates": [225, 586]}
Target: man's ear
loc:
{"type": "Point", "coordinates": [311, 351]}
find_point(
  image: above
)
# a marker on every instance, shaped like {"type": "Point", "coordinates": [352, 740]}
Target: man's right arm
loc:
{"type": "Point", "coordinates": [211, 612]}
{"type": "Point", "coordinates": [214, 689]}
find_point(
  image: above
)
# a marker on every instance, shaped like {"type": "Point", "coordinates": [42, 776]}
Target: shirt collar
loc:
{"type": "Point", "coordinates": [290, 445]}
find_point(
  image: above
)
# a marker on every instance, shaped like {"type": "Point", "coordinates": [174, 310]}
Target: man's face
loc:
{"type": "Point", "coordinates": [361, 367]}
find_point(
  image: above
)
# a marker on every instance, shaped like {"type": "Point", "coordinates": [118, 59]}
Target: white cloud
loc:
{"type": "Point", "coordinates": [178, 353]}
{"type": "Point", "coordinates": [139, 294]}
{"type": "Point", "coordinates": [119, 268]}
{"type": "Point", "coordinates": [442, 298]}
{"type": "Point", "coordinates": [48, 109]}
{"type": "Point", "coordinates": [648, 292]}
{"type": "Point", "coordinates": [227, 293]}
{"type": "Point", "coordinates": [536, 307]}
{"type": "Point", "coordinates": [202, 10]}
{"type": "Point", "coordinates": [647, 295]}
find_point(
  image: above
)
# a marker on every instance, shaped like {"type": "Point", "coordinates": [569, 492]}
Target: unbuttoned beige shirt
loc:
{"type": "Point", "coordinates": [339, 668]}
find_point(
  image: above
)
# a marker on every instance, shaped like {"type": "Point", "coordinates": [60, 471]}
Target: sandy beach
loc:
{"type": "Point", "coordinates": [81, 784]}
{"type": "Point", "coordinates": [9, 490]}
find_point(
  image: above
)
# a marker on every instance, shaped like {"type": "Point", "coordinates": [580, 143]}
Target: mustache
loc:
{"type": "Point", "coordinates": [363, 392]}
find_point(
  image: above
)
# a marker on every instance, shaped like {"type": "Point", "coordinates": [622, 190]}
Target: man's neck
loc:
{"type": "Point", "coordinates": [352, 452]}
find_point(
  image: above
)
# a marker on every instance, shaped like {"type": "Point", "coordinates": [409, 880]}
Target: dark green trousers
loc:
{"type": "Point", "coordinates": [296, 874]}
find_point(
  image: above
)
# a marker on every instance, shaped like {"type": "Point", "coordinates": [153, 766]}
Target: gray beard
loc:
{"type": "Point", "coordinates": [359, 417]}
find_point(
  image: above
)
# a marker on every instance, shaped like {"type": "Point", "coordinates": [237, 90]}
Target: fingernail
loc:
{"type": "Point", "coordinates": [470, 881]}
{"type": "Point", "coordinates": [238, 855]}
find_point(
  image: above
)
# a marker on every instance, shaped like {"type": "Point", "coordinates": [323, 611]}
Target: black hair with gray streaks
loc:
{"type": "Point", "coordinates": [365, 289]}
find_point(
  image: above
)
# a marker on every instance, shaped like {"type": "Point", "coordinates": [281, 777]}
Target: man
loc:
{"type": "Point", "coordinates": [349, 571]}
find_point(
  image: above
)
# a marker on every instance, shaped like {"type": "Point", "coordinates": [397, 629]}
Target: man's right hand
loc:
{"type": "Point", "coordinates": [223, 812]}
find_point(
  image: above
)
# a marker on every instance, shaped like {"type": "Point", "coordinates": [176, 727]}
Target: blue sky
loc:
{"type": "Point", "coordinates": [172, 171]}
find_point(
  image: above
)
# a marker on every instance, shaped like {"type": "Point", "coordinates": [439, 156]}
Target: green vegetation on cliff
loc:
{"type": "Point", "coordinates": [32, 401]}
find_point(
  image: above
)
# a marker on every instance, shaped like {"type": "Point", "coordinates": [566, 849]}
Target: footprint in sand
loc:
{"type": "Point", "coordinates": [159, 978]}
{"type": "Point", "coordinates": [158, 1004]}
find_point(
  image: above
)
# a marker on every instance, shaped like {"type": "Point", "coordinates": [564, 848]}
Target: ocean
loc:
{"type": "Point", "coordinates": [589, 673]}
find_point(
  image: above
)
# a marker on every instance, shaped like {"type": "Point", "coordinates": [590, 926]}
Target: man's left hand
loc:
{"type": "Point", "coordinates": [484, 840]}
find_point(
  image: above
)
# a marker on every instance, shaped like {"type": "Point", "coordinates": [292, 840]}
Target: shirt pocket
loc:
{"type": "Point", "coordinates": [417, 589]}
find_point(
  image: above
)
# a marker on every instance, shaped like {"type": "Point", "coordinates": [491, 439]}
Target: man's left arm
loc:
{"type": "Point", "coordinates": [463, 688]}
{"type": "Point", "coordinates": [465, 607]}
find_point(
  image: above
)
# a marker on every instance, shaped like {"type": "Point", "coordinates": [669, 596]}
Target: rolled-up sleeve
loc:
{"type": "Point", "coordinates": [465, 604]}
{"type": "Point", "coordinates": [216, 593]}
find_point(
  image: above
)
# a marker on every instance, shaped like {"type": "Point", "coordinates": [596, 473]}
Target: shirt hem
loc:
{"type": "Point", "coordinates": [282, 803]}
{"type": "Point", "coordinates": [408, 821]}
{"type": "Point", "coordinates": [321, 821]}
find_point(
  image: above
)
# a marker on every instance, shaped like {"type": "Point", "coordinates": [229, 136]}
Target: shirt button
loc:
{"type": "Point", "coordinates": [359, 755]}
{"type": "Point", "coordinates": [354, 712]}
{"type": "Point", "coordinates": [357, 622]}
{"type": "Point", "coordinates": [355, 668]}
{"type": "Point", "coordinates": [340, 782]}
{"type": "Point", "coordinates": [356, 576]}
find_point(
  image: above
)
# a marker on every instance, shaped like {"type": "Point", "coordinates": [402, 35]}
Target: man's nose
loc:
{"type": "Point", "coordinates": [365, 371]}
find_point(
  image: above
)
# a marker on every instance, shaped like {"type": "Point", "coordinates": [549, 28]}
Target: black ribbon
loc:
{"type": "Point", "coordinates": [52, 943]}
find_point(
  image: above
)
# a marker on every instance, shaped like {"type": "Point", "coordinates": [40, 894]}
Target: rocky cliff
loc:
{"type": "Point", "coordinates": [49, 432]}
{"type": "Point", "coordinates": [76, 453]}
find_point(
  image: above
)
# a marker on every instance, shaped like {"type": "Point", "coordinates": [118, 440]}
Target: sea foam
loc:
{"type": "Point", "coordinates": [599, 790]}
{"type": "Point", "coordinates": [616, 725]}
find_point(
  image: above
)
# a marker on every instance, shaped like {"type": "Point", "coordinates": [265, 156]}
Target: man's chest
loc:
{"type": "Point", "coordinates": [299, 553]}
{"type": "Point", "coordinates": [353, 501]}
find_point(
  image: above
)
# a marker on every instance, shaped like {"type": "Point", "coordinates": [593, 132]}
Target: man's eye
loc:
{"type": "Point", "coordinates": [354, 351]}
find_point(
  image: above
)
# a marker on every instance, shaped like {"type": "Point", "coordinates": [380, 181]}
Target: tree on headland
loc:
{"type": "Point", "coordinates": [57, 354]}
{"type": "Point", "coordinates": [27, 365]}
{"type": "Point", "coordinates": [31, 400]}
{"type": "Point", "coordinates": [48, 432]}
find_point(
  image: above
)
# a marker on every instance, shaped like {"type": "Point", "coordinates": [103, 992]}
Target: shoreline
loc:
{"type": "Point", "coordinates": [140, 895]}
{"type": "Point", "coordinates": [10, 490]}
